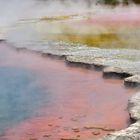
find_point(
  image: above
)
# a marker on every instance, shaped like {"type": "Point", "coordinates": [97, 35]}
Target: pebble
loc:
{"type": "Point", "coordinates": [78, 136]}
{"type": "Point", "coordinates": [60, 117]}
{"type": "Point", "coordinates": [47, 136]}
{"type": "Point", "coordinates": [33, 139]}
{"type": "Point", "coordinates": [50, 125]}
{"type": "Point", "coordinates": [99, 127]}
{"type": "Point", "coordinates": [93, 127]}
{"type": "Point", "coordinates": [96, 133]}
{"type": "Point", "coordinates": [108, 129]}
{"type": "Point", "coordinates": [75, 129]}
{"type": "Point", "coordinates": [75, 120]}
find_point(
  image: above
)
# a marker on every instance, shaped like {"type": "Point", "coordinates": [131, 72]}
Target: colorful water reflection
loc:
{"type": "Point", "coordinates": [51, 100]}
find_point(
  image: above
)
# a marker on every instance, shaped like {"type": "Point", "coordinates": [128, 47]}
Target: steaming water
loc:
{"type": "Point", "coordinates": [21, 21]}
{"type": "Point", "coordinates": [37, 91]}
{"type": "Point", "coordinates": [26, 22]}
{"type": "Point", "coordinates": [20, 96]}
{"type": "Point", "coordinates": [13, 10]}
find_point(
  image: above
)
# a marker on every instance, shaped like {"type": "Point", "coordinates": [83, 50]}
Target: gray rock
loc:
{"type": "Point", "coordinates": [115, 71]}
{"type": "Point", "coordinates": [133, 80]}
{"type": "Point", "coordinates": [134, 107]}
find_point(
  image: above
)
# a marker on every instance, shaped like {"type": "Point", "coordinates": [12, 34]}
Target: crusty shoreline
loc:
{"type": "Point", "coordinates": [133, 131]}
{"type": "Point", "coordinates": [131, 78]}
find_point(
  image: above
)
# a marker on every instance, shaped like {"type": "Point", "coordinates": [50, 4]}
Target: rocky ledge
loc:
{"type": "Point", "coordinates": [132, 81]}
{"type": "Point", "coordinates": [127, 69]}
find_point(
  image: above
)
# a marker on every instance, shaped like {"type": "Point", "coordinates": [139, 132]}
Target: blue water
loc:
{"type": "Point", "coordinates": [20, 96]}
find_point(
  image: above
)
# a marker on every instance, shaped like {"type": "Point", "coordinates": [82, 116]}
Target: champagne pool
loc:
{"type": "Point", "coordinates": [44, 97]}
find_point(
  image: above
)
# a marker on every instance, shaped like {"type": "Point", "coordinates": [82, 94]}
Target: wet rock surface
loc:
{"type": "Point", "coordinates": [115, 71]}
{"type": "Point", "coordinates": [133, 80]}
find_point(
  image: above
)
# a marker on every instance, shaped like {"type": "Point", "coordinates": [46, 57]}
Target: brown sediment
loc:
{"type": "Point", "coordinates": [78, 94]}
{"type": "Point", "coordinates": [99, 127]}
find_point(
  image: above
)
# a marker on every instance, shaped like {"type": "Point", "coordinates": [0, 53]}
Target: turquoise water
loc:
{"type": "Point", "coordinates": [20, 96]}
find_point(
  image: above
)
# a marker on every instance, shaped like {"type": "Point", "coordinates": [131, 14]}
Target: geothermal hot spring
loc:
{"type": "Point", "coordinates": [44, 98]}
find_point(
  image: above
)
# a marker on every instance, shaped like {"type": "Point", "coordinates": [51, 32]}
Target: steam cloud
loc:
{"type": "Point", "coordinates": [13, 10]}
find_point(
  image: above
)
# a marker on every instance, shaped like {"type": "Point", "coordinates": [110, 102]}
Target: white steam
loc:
{"type": "Point", "coordinates": [13, 10]}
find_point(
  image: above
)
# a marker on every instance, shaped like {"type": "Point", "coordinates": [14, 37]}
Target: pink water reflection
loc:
{"type": "Point", "coordinates": [81, 97]}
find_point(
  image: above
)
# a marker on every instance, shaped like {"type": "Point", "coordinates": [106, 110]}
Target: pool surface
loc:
{"type": "Point", "coordinates": [44, 97]}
